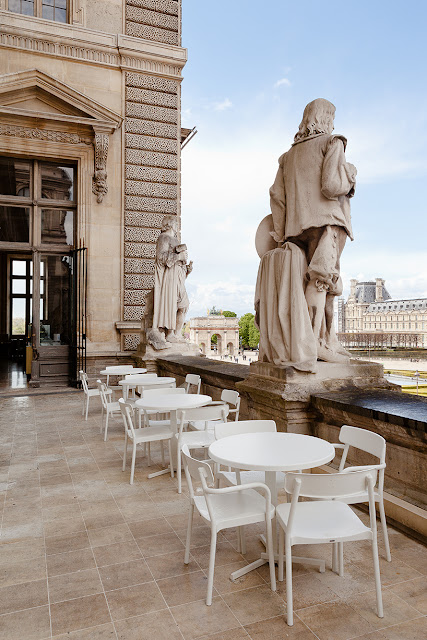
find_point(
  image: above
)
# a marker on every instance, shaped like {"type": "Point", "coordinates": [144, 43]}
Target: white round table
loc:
{"type": "Point", "coordinates": [122, 370]}
{"type": "Point", "coordinates": [143, 381]}
{"type": "Point", "coordinates": [171, 403]}
{"type": "Point", "coordinates": [272, 452]}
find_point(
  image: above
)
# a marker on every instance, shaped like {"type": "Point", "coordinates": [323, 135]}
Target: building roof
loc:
{"type": "Point", "coordinates": [398, 305]}
{"type": "Point", "coordinates": [365, 292]}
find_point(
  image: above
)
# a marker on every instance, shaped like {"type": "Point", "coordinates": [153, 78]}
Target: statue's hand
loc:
{"type": "Point", "coordinates": [189, 267]}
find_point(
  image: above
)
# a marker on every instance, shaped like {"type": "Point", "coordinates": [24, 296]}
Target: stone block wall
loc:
{"type": "Point", "coordinates": [152, 156]}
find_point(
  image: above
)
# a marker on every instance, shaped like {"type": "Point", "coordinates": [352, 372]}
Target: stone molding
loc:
{"type": "Point", "coordinates": [99, 179]}
{"type": "Point", "coordinates": [89, 46]}
{"type": "Point", "coordinates": [42, 134]}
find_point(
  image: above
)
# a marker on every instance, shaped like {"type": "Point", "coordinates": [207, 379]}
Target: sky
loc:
{"type": "Point", "coordinates": [252, 67]}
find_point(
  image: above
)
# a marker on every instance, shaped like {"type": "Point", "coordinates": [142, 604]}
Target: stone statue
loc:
{"type": "Point", "coordinates": [310, 221]}
{"type": "Point", "coordinates": [168, 303]}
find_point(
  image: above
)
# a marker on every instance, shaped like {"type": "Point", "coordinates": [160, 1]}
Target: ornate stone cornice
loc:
{"type": "Point", "coordinates": [89, 46]}
{"type": "Point", "coordinates": [42, 134]}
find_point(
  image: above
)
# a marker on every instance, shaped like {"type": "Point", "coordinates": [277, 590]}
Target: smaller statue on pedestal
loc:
{"type": "Point", "coordinates": [167, 304]}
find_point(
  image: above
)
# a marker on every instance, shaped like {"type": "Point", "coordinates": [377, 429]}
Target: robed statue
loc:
{"type": "Point", "coordinates": [168, 303]}
{"type": "Point", "coordinates": [300, 246]}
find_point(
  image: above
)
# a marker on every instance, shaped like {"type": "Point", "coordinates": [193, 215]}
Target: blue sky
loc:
{"type": "Point", "coordinates": [252, 67]}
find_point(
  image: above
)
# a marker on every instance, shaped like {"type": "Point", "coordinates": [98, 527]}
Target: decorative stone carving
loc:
{"type": "Point", "coordinates": [154, 159]}
{"type": "Point", "coordinates": [298, 280]}
{"type": "Point", "coordinates": [99, 180]}
{"type": "Point", "coordinates": [168, 302]}
{"type": "Point", "coordinates": [42, 134]}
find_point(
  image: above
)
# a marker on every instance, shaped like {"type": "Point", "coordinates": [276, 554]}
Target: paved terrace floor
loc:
{"type": "Point", "coordinates": [86, 556]}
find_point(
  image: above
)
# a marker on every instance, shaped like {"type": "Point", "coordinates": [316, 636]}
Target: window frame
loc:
{"type": "Point", "coordinates": [38, 12]}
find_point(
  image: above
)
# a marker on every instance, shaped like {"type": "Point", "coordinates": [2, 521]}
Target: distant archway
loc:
{"type": "Point", "coordinates": [216, 343]}
{"type": "Point", "coordinates": [230, 348]}
{"type": "Point", "coordinates": [203, 348]}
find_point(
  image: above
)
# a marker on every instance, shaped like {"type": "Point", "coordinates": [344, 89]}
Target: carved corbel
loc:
{"type": "Point", "coordinates": [99, 180]}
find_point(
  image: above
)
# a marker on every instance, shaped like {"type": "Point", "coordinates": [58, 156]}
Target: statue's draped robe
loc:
{"type": "Point", "coordinates": [169, 286]}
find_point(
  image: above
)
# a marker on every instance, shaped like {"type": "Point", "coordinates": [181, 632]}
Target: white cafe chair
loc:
{"type": "Point", "coordinates": [89, 393]}
{"type": "Point", "coordinates": [229, 397]}
{"type": "Point", "coordinates": [109, 406]}
{"type": "Point", "coordinates": [197, 439]}
{"type": "Point", "coordinates": [225, 508]}
{"type": "Point", "coordinates": [192, 383]}
{"type": "Point", "coordinates": [325, 519]}
{"type": "Point", "coordinates": [142, 436]}
{"type": "Point", "coordinates": [374, 444]}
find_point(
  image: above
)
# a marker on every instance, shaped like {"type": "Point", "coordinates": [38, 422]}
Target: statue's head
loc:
{"type": "Point", "coordinates": [318, 117]}
{"type": "Point", "coordinates": [169, 222]}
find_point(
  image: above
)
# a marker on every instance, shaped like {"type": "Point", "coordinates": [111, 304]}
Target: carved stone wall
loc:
{"type": "Point", "coordinates": [157, 20]}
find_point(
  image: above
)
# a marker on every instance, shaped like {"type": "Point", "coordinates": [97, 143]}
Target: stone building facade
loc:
{"type": "Point", "coordinates": [203, 328]}
{"type": "Point", "coordinates": [91, 89]}
{"type": "Point", "coordinates": [371, 310]}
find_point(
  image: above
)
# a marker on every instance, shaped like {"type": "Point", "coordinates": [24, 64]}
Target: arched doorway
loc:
{"type": "Point", "coordinates": [202, 348]}
{"type": "Point", "coordinates": [216, 344]}
{"type": "Point", "coordinates": [230, 348]}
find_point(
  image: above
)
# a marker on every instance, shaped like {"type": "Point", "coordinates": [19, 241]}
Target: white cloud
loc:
{"type": "Point", "coordinates": [222, 106]}
{"type": "Point", "coordinates": [226, 295]}
{"type": "Point", "coordinates": [283, 81]}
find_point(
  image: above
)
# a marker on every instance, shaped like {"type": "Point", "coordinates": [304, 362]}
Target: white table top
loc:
{"type": "Point", "coordinates": [141, 381]}
{"type": "Point", "coordinates": [173, 402]}
{"type": "Point", "coordinates": [121, 371]}
{"type": "Point", "coordinates": [271, 451]}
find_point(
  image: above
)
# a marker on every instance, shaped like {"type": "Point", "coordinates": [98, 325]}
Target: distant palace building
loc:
{"type": "Point", "coordinates": [370, 317]}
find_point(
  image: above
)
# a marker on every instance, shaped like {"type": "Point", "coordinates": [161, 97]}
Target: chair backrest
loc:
{"type": "Point", "coordinates": [331, 486]}
{"type": "Point", "coordinates": [140, 376]}
{"type": "Point", "coordinates": [192, 379]}
{"type": "Point", "coordinates": [232, 397]}
{"type": "Point", "coordinates": [83, 380]}
{"type": "Point", "coordinates": [152, 393]}
{"type": "Point", "coordinates": [203, 414]}
{"type": "Point", "coordinates": [191, 470]}
{"type": "Point", "coordinates": [127, 415]}
{"type": "Point", "coordinates": [244, 426]}
{"type": "Point", "coordinates": [102, 392]}
{"type": "Point", "coordinates": [155, 387]}
{"type": "Point", "coordinates": [364, 440]}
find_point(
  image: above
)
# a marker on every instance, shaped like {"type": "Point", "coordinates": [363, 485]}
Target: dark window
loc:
{"type": "Point", "coordinates": [14, 224]}
{"type": "Point", "coordinates": [15, 177]}
{"type": "Point", "coordinates": [56, 10]}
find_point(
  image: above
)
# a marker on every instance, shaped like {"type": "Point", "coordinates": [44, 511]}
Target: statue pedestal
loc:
{"type": "Point", "coordinates": [146, 355]}
{"type": "Point", "coordinates": [284, 395]}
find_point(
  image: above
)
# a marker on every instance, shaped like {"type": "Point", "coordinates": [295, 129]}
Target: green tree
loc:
{"type": "Point", "coordinates": [214, 339]}
{"type": "Point", "coordinates": [253, 334]}
{"type": "Point", "coordinates": [229, 314]}
{"type": "Point", "coordinates": [244, 325]}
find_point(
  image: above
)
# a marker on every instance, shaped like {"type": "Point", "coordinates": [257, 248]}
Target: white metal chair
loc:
{"type": "Point", "coordinates": [142, 436]}
{"type": "Point", "coordinates": [232, 478]}
{"type": "Point", "coordinates": [229, 397]}
{"type": "Point", "coordinates": [225, 508]}
{"type": "Point", "coordinates": [130, 393]}
{"type": "Point", "coordinates": [109, 406]}
{"type": "Point", "coordinates": [325, 519]}
{"type": "Point", "coordinates": [89, 393]}
{"type": "Point", "coordinates": [375, 445]}
{"type": "Point", "coordinates": [123, 368]}
{"type": "Point", "coordinates": [192, 380]}
{"type": "Point", "coordinates": [197, 439]}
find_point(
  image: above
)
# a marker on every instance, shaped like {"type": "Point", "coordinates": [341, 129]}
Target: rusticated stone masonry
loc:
{"type": "Point", "coordinates": [152, 146]}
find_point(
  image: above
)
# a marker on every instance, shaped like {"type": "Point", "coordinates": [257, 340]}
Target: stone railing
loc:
{"type": "Point", "coordinates": [401, 419]}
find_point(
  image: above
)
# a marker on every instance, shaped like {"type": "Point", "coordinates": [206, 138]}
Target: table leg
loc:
{"type": "Point", "coordinates": [174, 448]}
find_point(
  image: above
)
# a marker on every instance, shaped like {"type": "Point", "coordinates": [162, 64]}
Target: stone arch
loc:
{"type": "Point", "coordinates": [203, 348]}
{"type": "Point", "coordinates": [219, 338]}
{"type": "Point", "coordinates": [230, 348]}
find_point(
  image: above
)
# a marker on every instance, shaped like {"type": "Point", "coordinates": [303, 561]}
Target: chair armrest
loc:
{"type": "Point", "coordinates": [338, 445]}
{"type": "Point", "coordinates": [244, 487]}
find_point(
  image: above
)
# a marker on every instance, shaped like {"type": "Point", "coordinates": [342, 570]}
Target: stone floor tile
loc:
{"type": "Point", "coordinates": [412, 630]}
{"type": "Point", "coordinates": [23, 596]}
{"type": "Point", "coordinates": [153, 527]}
{"type": "Point", "coordinates": [16, 551]}
{"type": "Point", "coordinates": [159, 625]}
{"type": "Point", "coordinates": [63, 544]}
{"type": "Point", "coordinates": [196, 620]}
{"type": "Point", "coordinates": [31, 624]}
{"type": "Point", "coordinates": [225, 554]}
{"type": "Point", "coordinates": [184, 588]}
{"type": "Point", "coordinates": [171, 564]}
{"type": "Point", "coordinates": [109, 535]}
{"type": "Point", "coordinates": [156, 545]}
{"type": "Point", "coordinates": [64, 526]}
{"type": "Point", "coordinates": [135, 600]}
{"type": "Point", "coordinates": [414, 592]}
{"type": "Point", "coordinates": [80, 613]}
{"type": "Point", "coordinates": [70, 562]}
{"type": "Point", "coordinates": [60, 512]}
{"type": "Point", "coordinates": [224, 584]}
{"type": "Point", "coordinates": [231, 634]}
{"type": "Point", "coordinates": [396, 610]}
{"type": "Point", "coordinates": [103, 632]}
{"type": "Point", "coordinates": [121, 551]}
{"type": "Point", "coordinates": [278, 629]}
{"type": "Point", "coordinates": [257, 603]}
{"type": "Point", "coordinates": [74, 585]}
{"type": "Point", "coordinates": [22, 571]}
{"type": "Point", "coordinates": [125, 574]}
{"type": "Point", "coordinates": [334, 621]}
